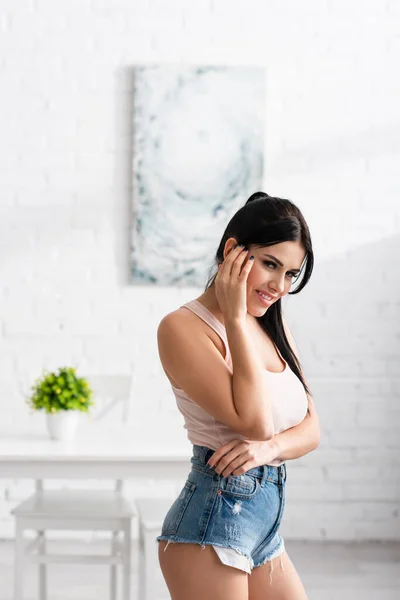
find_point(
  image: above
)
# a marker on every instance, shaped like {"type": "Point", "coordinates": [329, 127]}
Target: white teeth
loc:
{"type": "Point", "coordinates": [264, 296]}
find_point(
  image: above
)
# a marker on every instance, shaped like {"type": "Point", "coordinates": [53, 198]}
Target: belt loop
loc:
{"type": "Point", "coordinates": [264, 475]}
{"type": "Point", "coordinates": [207, 453]}
{"type": "Point", "coordinates": [280, 486]}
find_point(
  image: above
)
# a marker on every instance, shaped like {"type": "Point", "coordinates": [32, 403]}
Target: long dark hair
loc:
{"type": "Point", "coordinates": [265, 221]}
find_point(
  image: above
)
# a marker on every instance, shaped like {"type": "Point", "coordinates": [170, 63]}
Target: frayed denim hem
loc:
{"type": "Point", "coordinates": [277, 552]}
{"type": "Point", "coordinates": [204, 544]}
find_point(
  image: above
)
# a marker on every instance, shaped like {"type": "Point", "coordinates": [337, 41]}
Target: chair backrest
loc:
{"type": "Point", "coordinates": [110, 391]}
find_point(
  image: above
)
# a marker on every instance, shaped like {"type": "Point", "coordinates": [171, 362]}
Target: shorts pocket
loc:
{"type": "Point", "coordinates": [241, 486]}
{"type": "Point", "coordinates": [175, 514]}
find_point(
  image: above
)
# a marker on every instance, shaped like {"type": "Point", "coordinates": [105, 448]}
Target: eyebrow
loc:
{"type": "Point", "coordinates": [280, 263]}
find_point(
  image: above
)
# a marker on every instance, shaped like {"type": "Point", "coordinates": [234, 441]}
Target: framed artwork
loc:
{"type": "Point", "coordinates": [198, 153]}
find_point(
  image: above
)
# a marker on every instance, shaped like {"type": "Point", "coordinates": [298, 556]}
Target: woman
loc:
{"type": "Point", "coordinates": [232, 364]}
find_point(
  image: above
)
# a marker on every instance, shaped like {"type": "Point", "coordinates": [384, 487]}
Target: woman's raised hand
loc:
{"type": "Point", "coordinates": [231, 284]}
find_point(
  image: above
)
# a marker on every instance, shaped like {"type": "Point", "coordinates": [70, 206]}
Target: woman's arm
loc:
{"type": "Point", "coordinates": [238, 456]}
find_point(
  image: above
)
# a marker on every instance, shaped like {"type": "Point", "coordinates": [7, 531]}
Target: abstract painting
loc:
{"type": "Point", "coordinates": [198, 153]}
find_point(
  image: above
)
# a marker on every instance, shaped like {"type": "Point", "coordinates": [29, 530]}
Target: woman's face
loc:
{"type": "Point", "coordinates": [272, 274]}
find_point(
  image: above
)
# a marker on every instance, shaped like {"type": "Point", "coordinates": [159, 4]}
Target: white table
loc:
{"type": "Point", "coordinates": [96, 453]}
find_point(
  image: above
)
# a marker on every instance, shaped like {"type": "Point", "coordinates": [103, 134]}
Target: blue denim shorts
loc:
{"type": "Point", "coordinates": [238, 515]}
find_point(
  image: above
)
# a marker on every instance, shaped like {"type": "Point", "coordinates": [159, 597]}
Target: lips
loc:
{"type": "Point", "coordinates": [269, 296]}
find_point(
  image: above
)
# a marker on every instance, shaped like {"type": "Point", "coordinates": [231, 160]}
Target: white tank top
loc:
{"type": "Point", "coordinates": [288, 397]}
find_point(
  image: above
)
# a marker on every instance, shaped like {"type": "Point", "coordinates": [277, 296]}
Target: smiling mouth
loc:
{"type": "Point", "coordinates": [265, 298]}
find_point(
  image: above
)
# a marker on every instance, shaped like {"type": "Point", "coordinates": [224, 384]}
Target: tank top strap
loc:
{"type": "Point", "coordinates": [207, 316]}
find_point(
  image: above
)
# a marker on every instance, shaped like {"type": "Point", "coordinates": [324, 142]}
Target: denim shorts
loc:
{"type": "Point", "coordinates": [238, 515]}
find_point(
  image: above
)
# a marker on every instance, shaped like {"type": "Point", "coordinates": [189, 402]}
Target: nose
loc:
{"type": "Point", "coordinates": [278, 283]}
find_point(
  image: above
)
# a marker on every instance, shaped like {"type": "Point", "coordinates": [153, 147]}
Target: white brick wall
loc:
{"type": "Point", "coordinates": [333, 145]}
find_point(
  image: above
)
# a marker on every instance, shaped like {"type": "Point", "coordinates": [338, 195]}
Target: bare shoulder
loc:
{"type": "Point", "coordinates": [186, 344]}
{"type": "Point", "coordinates": [177, 322]}
{"type": "Point", "coordinates": [182, 336]}
{"type": "Point", "coordinates": [182, 326]}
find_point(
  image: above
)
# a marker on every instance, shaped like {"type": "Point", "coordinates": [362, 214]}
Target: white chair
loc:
{"type": "Point", "coordinates": [75, 510]}
{"type": "Point", "coordinates": [151, 513]}
{"type": "Point", "coordinates": [78, 510]}
{"type": "Point", "coordinates": [108, 391]}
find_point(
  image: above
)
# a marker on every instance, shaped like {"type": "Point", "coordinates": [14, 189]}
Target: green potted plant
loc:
{"type": "Point", "coordinates": [63, 396]}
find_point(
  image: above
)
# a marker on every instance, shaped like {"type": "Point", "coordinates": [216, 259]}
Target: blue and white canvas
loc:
{"type": "Point", "coordinates": [197, 155]}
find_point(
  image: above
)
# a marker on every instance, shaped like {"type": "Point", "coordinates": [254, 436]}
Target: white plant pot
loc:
{"type": "Point", "coordinates": [62, 425]}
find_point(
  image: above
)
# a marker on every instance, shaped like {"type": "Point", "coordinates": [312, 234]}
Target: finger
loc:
{"type": "Point", "coordinates": [246, 268]}
{"type": "Point", "coordinates": [218, 455]}
{"type": "Point", "coordinates": [243, 468]}
{"type": "Point", "coordinates": [229, 461]}
{"type": "Point", "coordinates": [233, 466]}
{"type": "Point", "coordinates": [222, 451]}
{"type": "Point", "coordinates": [231, 257]}
{"type": "Point", "coordinates": [237, 465]}
{"type": "Point", "coordinates": [239, 261]}
{"type": "Point", "coordinates": [233, 253]}
{"type": "Point", "coordinates": [215, 457]}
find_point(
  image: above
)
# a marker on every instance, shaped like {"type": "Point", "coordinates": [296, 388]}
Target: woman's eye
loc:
{"type": "Point", "coordinates": [295, 275]}
{"type": "Point", "coordinates": [273, 265]}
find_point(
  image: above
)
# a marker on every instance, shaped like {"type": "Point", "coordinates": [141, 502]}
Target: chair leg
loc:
{"type": "Point", "coordinates": [142, 564]}
{"type": "Point", "coordinates": [19, 562]}
{"type": "Point", "coordinates": [126, 565]}
{"type": "Point", "coordinates": [113, 568]}
{"type": "Point", "coordinates": [42, 567]}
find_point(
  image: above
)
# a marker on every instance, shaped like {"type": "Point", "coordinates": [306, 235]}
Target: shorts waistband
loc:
{"type": "Point", "coordinates": [278, 474]}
